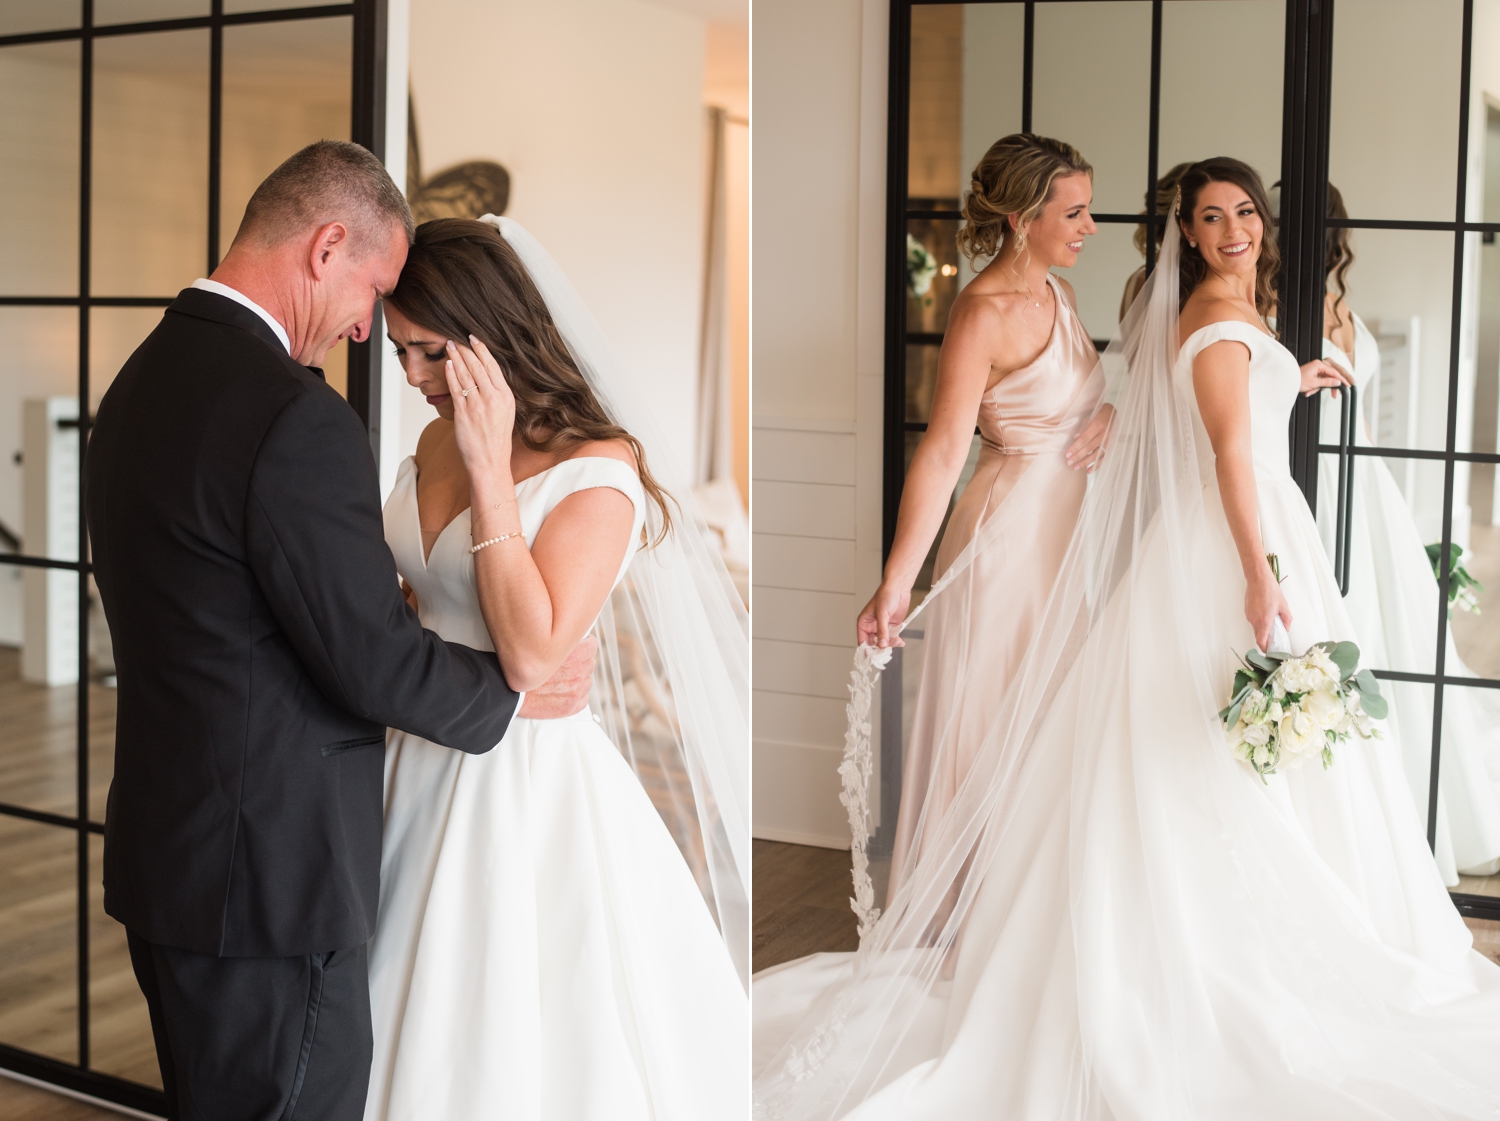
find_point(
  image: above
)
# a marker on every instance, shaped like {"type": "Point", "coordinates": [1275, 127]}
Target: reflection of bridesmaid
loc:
{"type": "Point", "coordinates": [1017, 361]}
{"type": "Point", "coordinates": [1166, 194]}
{"type": "Point", "coordinates": [1392, 595]}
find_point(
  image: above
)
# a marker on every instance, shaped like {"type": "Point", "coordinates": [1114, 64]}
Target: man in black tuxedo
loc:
{"type": "Point", "coordinates": [263, 646]}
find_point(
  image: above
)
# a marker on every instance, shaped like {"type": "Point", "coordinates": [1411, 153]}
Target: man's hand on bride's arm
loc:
{"type": "Point", "coordinates": [1087, 451]}
{"type": "Point", "coordinates": [566, 692]}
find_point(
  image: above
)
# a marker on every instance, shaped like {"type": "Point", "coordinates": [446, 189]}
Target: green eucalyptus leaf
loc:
{"type": "Point", "coordinates": [1345, 655]}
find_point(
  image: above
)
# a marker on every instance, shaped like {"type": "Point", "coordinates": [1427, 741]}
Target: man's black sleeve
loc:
{"type": "Point", "coordinates": [316, 543]}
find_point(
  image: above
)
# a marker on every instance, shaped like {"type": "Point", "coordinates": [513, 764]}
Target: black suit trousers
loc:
{"type": "Point", "coordinates": [259, 1039]}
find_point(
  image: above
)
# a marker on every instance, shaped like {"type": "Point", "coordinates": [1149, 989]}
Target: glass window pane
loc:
{"type": "Point", "coordinates": [1469, 841]}
{"type": "Point", "coordinates": [22, 17]}
{"type": "Point", "coordinates": [285, 86]}
{"type": "Point", "coordinates": [933, 274]}
{"type": "Point", "coordinates": [39, 946]}
{"type": "Point", "coordinates": [1393, 126]}
{"type": "Point", "coordinates": [150, 215]}
{"type": "Point", "coordinates": [138, 11]}
{"type": "Point", "coordinates": [1106, 117]}
{"type": "Point", "coordinates": [38, 737]}
{"type": "Point", "coordinates": [120, 1041]}
{"type": "Point", "coordinates": [991, 87]}
{"type": "Point", "coordinates": [1194, 36]}
{"type": "Point", "coordinates": [1474, 589]}
{"type": "Point", "coordinates": [935, 168]}
{"type": "Point", "coordinates": [1400, 286]}
{"type": "Point", "coordinates": [114, 333]}
{"type": "Point", "coordinates": [38, 377]}
{"type": "Point", "coordinates": [39, 121]}
{"type": "Point", "coordinates": [1393, 597]}
{"type": "Point", "coordinates": [1105, 267]}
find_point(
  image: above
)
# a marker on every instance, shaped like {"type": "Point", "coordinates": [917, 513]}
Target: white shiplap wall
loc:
{"type": "Point", "coordinates": [818, 360]}
{"type": "Point", "coordinates": [804, 542]}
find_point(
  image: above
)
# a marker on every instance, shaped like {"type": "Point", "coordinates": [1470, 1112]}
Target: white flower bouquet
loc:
{"type": "Point", "coordinates": [1285, 708]}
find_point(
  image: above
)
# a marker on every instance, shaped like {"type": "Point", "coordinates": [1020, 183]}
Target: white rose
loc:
{"type": "Point", "coordinates": [1275, 712]}
{"type": "Point", "coordinates": [1324, 707]}
{"type": "Point", "coordinates": [1300, 733]}
{"type": "Point", "coordinates": [1257, 735]}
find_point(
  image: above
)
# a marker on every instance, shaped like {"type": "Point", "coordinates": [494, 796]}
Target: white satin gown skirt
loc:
{"type": "Point", "coordinates": [543, 952]}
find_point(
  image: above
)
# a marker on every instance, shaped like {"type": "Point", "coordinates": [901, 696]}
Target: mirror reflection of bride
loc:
{"type": "Point", "coordinates": [1391, 597]}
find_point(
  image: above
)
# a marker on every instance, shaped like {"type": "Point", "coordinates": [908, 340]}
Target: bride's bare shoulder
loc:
{"type": "Point", "coordinates": [1203, 311]}
{"type": "Point", "coordinates": [606, 449]}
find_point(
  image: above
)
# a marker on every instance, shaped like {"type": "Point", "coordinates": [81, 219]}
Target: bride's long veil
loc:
{"type": "Point", "coordinates": [671, 686]}
{"type": "Point", "coordinates": [859, 1034]}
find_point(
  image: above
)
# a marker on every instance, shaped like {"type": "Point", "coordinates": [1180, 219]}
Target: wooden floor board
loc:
{"type": "Point", "coordinates": [39, 888]}
{"type": "Point", "coordinates": [22, 1102]}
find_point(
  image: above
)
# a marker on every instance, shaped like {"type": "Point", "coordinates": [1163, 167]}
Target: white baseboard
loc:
{"type": "Point", "coordinates": [792, 837]}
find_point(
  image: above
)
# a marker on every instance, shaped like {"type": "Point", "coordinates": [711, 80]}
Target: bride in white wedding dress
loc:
{"type": "Point", "coordinates": [1116, 919]}
{"type": "Point", "coordinates": [543, 951]}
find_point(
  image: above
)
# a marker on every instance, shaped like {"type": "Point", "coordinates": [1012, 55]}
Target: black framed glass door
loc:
{"type": "Point", "coordinates": [132, 133]}
{"type": "Point", "coordinates": [1385, 102]}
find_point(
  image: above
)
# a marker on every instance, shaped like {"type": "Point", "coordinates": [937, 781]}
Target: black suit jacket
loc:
{"type": "Point", "coordinates": [262, 645]}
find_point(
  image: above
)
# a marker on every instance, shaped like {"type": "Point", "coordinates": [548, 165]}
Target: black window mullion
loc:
{"type": "Point", "coordinates": [1028, 54]}
{"type": "Point", "coordinates": [1460, 213]}
{"type": "Point", "coordinates": [85, 227]}
{"type": "Point", "coordinates": [1153, 136]}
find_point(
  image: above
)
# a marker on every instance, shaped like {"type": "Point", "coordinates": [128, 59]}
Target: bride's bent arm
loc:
{"type": "Point", "coordinates": [538, 603]}
{"type": "Point", "coordinates": [963, 373]}
{"type": "Point", "coordinates": [1221, 382]}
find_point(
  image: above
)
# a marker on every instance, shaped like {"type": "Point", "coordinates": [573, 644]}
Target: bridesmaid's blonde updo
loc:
{"type": "Point", "coordinates": [1014, 177]}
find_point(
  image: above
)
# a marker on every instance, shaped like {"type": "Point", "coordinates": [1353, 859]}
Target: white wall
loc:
{"type": "Point", "coordinates": [818, 181]}
{"type": "Point", "coordinates": [596, 109]}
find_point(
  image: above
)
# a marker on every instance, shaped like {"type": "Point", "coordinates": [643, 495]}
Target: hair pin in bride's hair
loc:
{"type": "Point", "coordinates": [1177, 204]}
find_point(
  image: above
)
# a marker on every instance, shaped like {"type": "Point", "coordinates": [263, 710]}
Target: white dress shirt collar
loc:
{"type": "Point", "coordinates": [240, 298]}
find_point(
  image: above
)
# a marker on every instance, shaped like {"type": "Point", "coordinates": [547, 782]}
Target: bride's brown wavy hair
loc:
{"type": "Point", "coordinates": [1192, 268]}
{"type": "Point", "coordinates": [463, 278]}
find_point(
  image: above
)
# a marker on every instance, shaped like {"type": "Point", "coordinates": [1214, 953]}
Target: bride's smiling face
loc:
{"type": "Point", "coordinates": [1056, 234]}
{"type": "Point", "coordinates": [1228, 229]}
{"type": "Point", "coordinates": [423, 357]}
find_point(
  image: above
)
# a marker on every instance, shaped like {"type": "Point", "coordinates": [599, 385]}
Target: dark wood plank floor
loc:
{"type": "Point", "coordinates": [801, 903]}
{"type": "Point", "coordinates": [39, 887]}
{"type": "Point", "coordinates": [20, 1102]}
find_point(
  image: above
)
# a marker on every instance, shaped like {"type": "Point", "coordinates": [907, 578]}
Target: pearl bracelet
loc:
{"type": "Point", "coordinates": [492, 541]}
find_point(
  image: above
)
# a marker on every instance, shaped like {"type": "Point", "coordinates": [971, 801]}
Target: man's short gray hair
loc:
{"type": "Point", "coordinates": [328, 181]}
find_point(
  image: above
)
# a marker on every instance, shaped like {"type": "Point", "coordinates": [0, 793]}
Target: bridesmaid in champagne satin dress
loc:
{"type": "Point", "coordinates": [1027, 421]}
{"type": "Point", "coordinates": [1017, 363]}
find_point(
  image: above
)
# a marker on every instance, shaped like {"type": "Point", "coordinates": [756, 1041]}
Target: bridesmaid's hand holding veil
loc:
{"type": "Point", "coordinates": [882, 615]}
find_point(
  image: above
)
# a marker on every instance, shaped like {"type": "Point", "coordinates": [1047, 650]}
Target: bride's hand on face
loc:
{"type": "Point", "coordinates": [484, 409]}
{"type": "Point", "coordinates": [1087, 452]}
{"type": "Point", "coordinates": [1264, 601]}
{"type": "Point", "coordinates": [882, 615]}
{"type": "Point", "coordinates": [1318, 374]}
